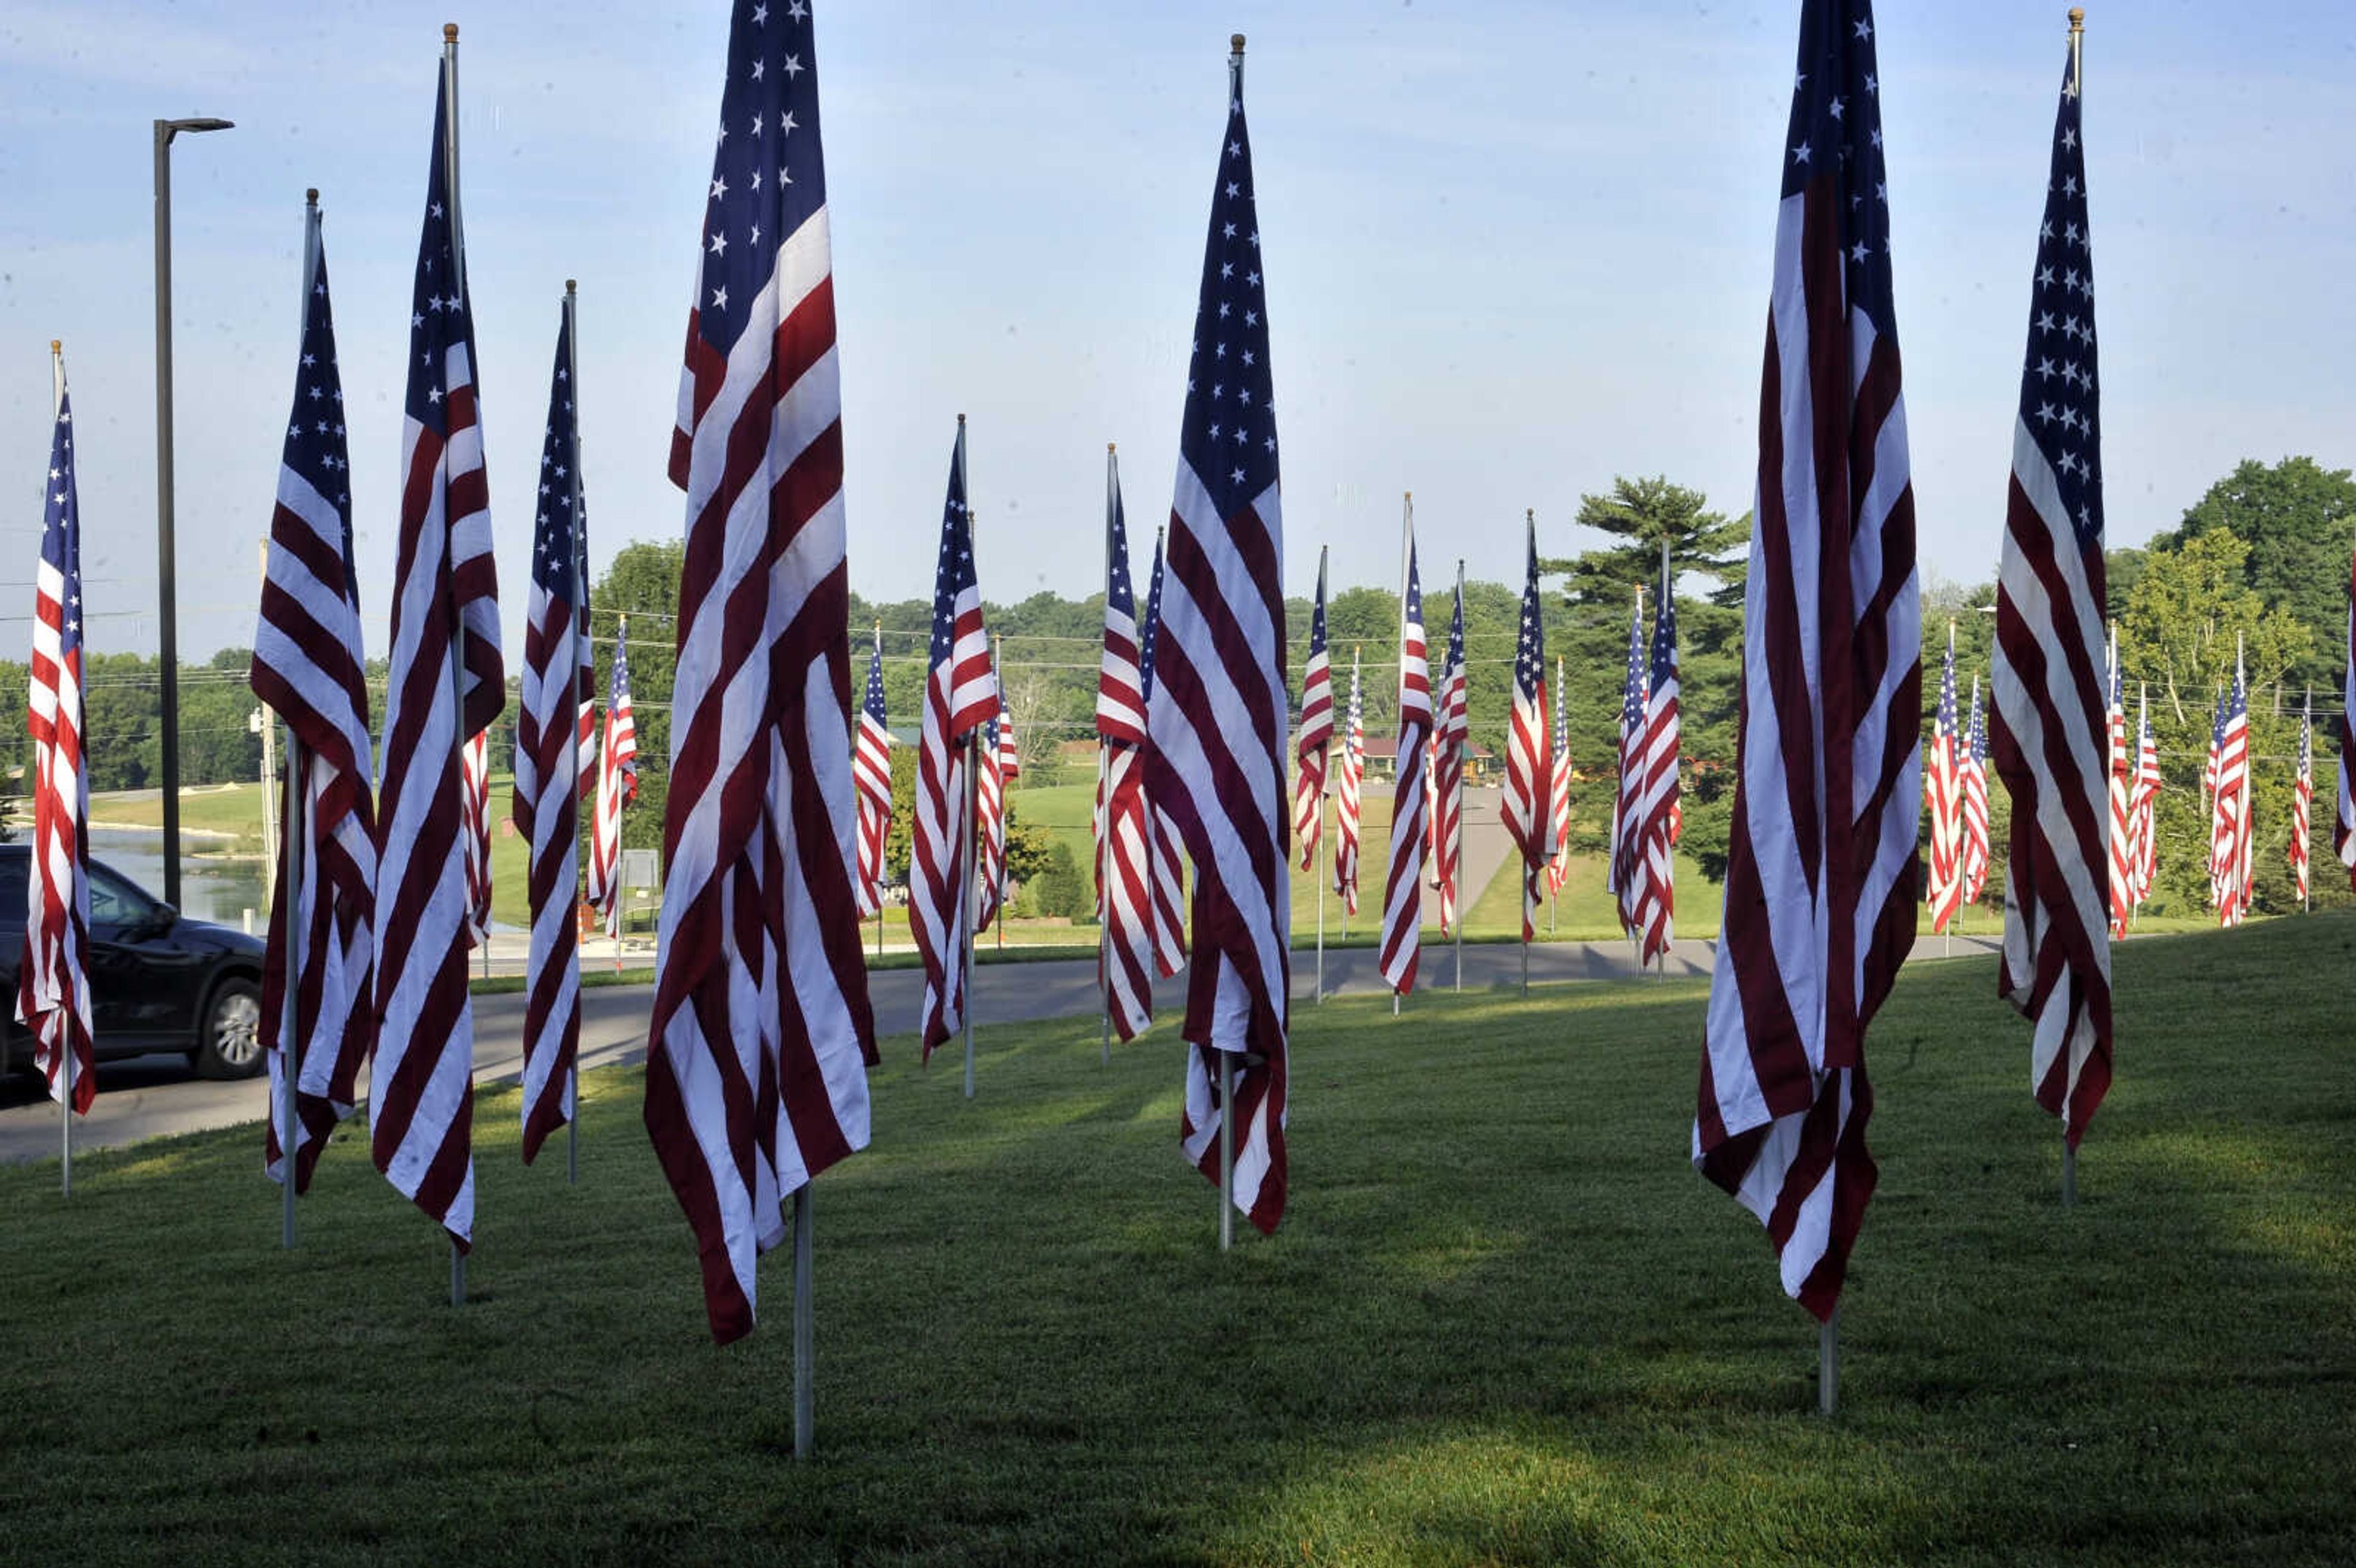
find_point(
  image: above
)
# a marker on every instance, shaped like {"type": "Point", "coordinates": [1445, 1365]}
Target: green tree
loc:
{"type": "Point", "coordinates": [1643, 515]}
{"type": "Point", "coordinates": [642, 583]}
{"type": "Point", "coordinates": [2297, 519]}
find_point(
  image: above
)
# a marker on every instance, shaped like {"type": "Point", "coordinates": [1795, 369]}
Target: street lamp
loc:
{"type": "Point", "coordinates": [166, 588]}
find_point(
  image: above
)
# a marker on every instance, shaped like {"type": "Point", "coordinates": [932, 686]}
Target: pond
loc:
{"type": "Point", "coordinates": [212, 887]}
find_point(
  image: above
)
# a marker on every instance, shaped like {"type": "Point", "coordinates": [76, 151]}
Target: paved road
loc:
{"type": "Point", "coordinates": [155, 1095]}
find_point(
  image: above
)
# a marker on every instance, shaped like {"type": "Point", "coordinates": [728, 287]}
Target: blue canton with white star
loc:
{"type": "Point", "coordinates": [557, 535]}
{"type": "Point", "coordinates": [1529, 652]}
{"type": "Point", "coordinates": [1664, 639]}
{"type": "Point", "coordinates": [1946, 718]}
{"type": "Point", "coordinates": [767, 177]}
{"type": "Point", "coordinates": [314, 428]}
{"type": "Point", "coordinates": [875, 687]}
{"type": "Point", "coordinates": [438, 312]}
{"type": "Point", "coordinates": [2057, 383]}
{"type": "Point", "coordinates": [1632, 694]}
{"type": "Point", "coordinates": [1150, 628]}
{"type": "Point", "coordinates": [1455, 664]}
{"type": "Point", "coordinates": [1228, 434]}
{"type": "Point", "coordinates": [1836, 134]}
{"type": "Point", "coordinates": [61, 526]}
{"type": "Point", "coordinates": [953, 574]}
{"type": "Point", "coordinates": [1118, 594]}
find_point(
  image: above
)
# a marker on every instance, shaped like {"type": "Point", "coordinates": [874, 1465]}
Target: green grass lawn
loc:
{"type": "Point", "coordinates": [1503, 1321]}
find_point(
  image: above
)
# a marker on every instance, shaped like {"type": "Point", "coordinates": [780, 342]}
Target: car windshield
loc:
{"type": "Point", "coordinates": [115, 901]}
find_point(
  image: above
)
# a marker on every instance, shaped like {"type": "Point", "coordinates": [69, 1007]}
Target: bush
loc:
{"type": "Point", "coordinates": [1061, 889]}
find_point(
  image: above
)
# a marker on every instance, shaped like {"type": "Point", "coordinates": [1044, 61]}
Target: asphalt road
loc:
{"type": "Point", "coordinates": [152, 1096]}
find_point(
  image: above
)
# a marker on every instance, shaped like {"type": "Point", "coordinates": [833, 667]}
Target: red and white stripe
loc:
{"type": "Point", "coordinates": [1558, 869]}
{"type": "Point", "coordinates": [2118, 850]}
{"type": "Point", "coordinates": [1316, 734]}
{"type": "Point", "coordinates": [989, 826]}
{"type": "Point", "coordinates": [1125, 830]}
{"type": "Point", "coordinates": [1452, 728]}
{"type": "Point", "coordinates": [475, 775]}
{"type": "Point", "coordinates": [1821, 871]}
{"type": "Point", "coordinates": [2343, 821]}
{"type": "Point", "coordinates": [617, 787]}
{"type": "Point", "coordinates": [2143, 807]}
{"type": "Point", "coordinates": [2232, 815]}
{"type": "Point", "coordinates": [1402, 900]}
{"type": "Point", "coordinates": [2302, 803]}
{"type": "Point", "coordinates": [1942, 792]}
{"type": "Point", "coordinates": [1660, 818]}
{"type": "Point", "coordinates": [871, 774]}
{"type": "Point", "coordinates": [1346, 792]}
{"type": "Point", "coordinates": [1971, 790]}
{"type": "Point", "coordinates": [1531, 788]}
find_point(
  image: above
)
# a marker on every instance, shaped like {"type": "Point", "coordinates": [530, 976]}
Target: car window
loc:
{"type": "Point", "coordinates": [115, 901]}
{"type": "Point", "coordinates": [13, 872]}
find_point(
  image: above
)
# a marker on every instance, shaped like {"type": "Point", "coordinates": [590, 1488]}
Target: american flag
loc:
{"type": "Point", "coordinates": [761, 1029]}
{"type": "Point", "coordinates": [1316, 733]}
{"type": "Point", "coordinates": [1821, 869]}
{"type": "Point", "coordinates": [1943, 788]}
{"type": "Point", "coordinates": [1619, 876]}
{"type": "Point", "coordinates": [309, 668]}
{"type": "Point", "coordinates": [989, 822]}
{"type": "Point", "coordinates": [617, 787]}
{"type": "Point", "coordinates": [1660, 818]}
{"type": "Point", "coordinates": [2210, 801]}
{"type": "Point", "coordinates": [2302, 800]}
{"type": "Point", "coordinates": [1345, 798]}
{"type": "Point", "coordinates": [1972, 774]}
{"type": "Point", "coordinates": [1125, 836]}
{"type": "Point", "coordinates": [870, 773]}
{"type": "Point", "coordinates": [1530, 757]}
{"type": "Point", "coordinates": [2143, 806]}
{"type": "Point", "coordinates": [548, 767]}
{"type": "Point", "coordinates": [2046, 690]}
{"type": "Point", "coordinates": [960, 696]}
{"type": "Point", "coordinates": [2343, 823]}
{"type": "Point", "coordinates": [474, 773]}
{"type": "Point", "coordinates": [53, 977]}
{"type": "Point", "coordinates": [1402, 902]}
{"type": "Point", "coordinates": [446, 682]}
{"type": "Point", "coordinates": [1218, 705]}
{"type": "Point", "coordinates": [1449, 731]}
{"type": "Point", "coordinates": [2120, 779]}
{"type": "Point", "coordinates": [2231, 819]}
{"type": "Point", "coordinates": [1558, 869]}
{"type": "Point", "coordinates": [1169, 856]}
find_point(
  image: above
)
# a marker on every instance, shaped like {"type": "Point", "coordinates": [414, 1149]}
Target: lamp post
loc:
{"type": "Point", "coordinates": [166, 620]}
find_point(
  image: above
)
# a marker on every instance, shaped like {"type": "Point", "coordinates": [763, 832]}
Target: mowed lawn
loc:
{"type": "Point", "coordinates": [1503, 1322]}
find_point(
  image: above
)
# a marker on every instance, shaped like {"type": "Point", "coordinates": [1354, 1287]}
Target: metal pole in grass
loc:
{"type": "Point", "coordinates": [581, 657]}
{"type": "Point", "coordinates": [969, 894]}
{"type": "Point", "coordinates": [804, 1327]}
{"type": "Point", "coordinates": [457, 652]}
{"type": "Point", "coordinates": [1226, 1150]}
{"type": "Point", "coordinates": [1455, 892]}
{"type": "Point", "coordinates": [1320, 875]}
{"type": "Point", "coordinates": [1828, 1363]}
{"type": "Point", "coordinates": [1526, 908]}
{"type": "Point", "coordinates": [2069, 1169]}
{"type": "Point", "coordinates": [65, 1043]}
{"type": "Point", "coordinates": [1102, 819]}
{"type": "Point", "coordinates": [293, 842]}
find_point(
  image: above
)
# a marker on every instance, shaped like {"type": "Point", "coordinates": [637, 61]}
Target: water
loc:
{"type": "Point", "coordinates": [211, 889]}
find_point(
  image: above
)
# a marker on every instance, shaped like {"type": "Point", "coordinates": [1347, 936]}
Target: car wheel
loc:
{"type": "Point", "coordinates": [232, 1045]}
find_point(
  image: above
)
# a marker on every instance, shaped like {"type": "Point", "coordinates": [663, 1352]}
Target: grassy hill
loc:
{"type": "Point", "coordinates": [1503, 1321]}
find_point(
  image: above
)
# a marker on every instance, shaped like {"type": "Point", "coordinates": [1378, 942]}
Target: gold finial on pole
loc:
{"type": "Point", "coordinates": [1108, 446]}
{"type": "Point", "coordinates": [449, 32]}
{"type": "Point", "coordinates": [1530, 516]}
{"type": "Point", "coordinates": [1237, 43]}
{"type": "Point", "coordinates": [2077, 18]}
{"type": "Point", "coordinates": [570, 284]}
{"type": "Point", "coordinates": [961, 419]}
{"type": "Point", "coordinates": [311, 196]}
{"type": "Point", "coordinates": [57, 345]}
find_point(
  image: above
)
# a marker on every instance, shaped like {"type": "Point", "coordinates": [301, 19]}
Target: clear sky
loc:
{"type": "Point", "coordinates": [1512, 249]}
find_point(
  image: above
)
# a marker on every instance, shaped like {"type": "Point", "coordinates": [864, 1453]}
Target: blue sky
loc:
{"type": "Point", "coordinates": [1512, 249]}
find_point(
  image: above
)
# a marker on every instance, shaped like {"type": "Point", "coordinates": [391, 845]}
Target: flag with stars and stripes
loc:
{"type": "Point", "coordinates": [1402, 933]}
{"type": "Point", "coordinates": [53, 977]}
{"type": "Point", "coordinates": [2231, 817]}
{"type": "Point", "coordinates": [1821, 866]}
{"type": "Point", "coordinates": [1346, 791]}
{"type": "Point", "coordinates": [1316, 734]}
{"type": "Point", "coordinates": [617, 787]}
{"type": "Point", "coordinates": [1558, 869]}
{"type": "Point", "coordinates": [762, 1033]}
{"type": "Point", "coordinates": [1659, 816]}
{"type": "Point", "coordinates": [2047, 699]}
{"type": "Point", "coordinates": [2302, 802]}
{"type": "Point", "coordinates": [2143, 807]}
{"type": "Point", "coordinates": [474, 770]}
{"type": "Point", "coordinates": [318, 991]}
{"type": "Point", "coordinates": [548, 767]}
{"type": "Point", "coordinates": [446, 682]}
{"type": "Point", "coordinates": [1124, 822]}
{"type": "Point", "coordinates": [1169, 853]}
{"type": "Point", "coordinates": [1451, 729]}
{"type": "Point", "coordinates": [990, 821]}
{"type": "Point", "coordinates": [2119, 781]}
{"type": "Point", "coordinates": [1218, 705]}
{"type": "Point", "coordinates": [1619, 874]}
{"type": "Point", "coordinates": [1943, 791]}
{"type": "Point", "coordinates": [1972, 787]}
{"type": "Point", "coordinates": [2343, 821]}
{"type": "Point", "coordinates": [1530, 759]}
{"type": "Point", "coordinates": [960, 697]}
{"type": "Point", "coordinates": [870, 773]}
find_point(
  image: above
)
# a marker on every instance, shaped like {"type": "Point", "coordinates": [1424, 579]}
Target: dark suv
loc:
{"type": "Point", "coordinates": [158, 981]}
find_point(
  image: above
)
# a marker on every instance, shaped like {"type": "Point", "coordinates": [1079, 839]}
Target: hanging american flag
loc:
{"type": "Point", "coordinates": [1218, 704]}
{"type": "Point", "coordinates": [617, 787]}
{"type": "Point", "coordinates": [1530, 758]}
{"type": "Point", "coordinates": [2046, 690]}
{"type": "Point", "coordinates": [447, 681]}
{"type": "Point", "coordinates": [1660, 818]}
{"type": "Point", "coordinates": [960, 696]}
{"type": "Point", "coordinates": [546, 771]}
{"type": "Point", "coordinates": [1558, 869]}
{"type": "Point", "coordinates": [475, 775]}
{"type": "Point", "coordinates": [2218, 830]}
{"type": "Point", "coordinates": [1402, 899]}
{"type": "Point", "coordinates": [1346, 797]}
{"type": "Point", "coordinates": [871, 774]}
{"type": "Point", "coordinates": [309, 668]}
{"type": "Point", "coordinates": [2235, 829]}
{"type": "Point", "coordinates": [1169, 855]}
{"type": "Point", "coordinates": [2143, 806]}
{"type": "Point", "coordinates": [1125, 835]}
{"type": "Point", "coordinates": [1621, 874]}
{"type": "Point", "coordinates": [2119, 779]}
{"type": "Point", "coordinates": [761, 1028]}
{"type": "Point", "coordinates": [1942, 790]}
{"type": "Point", "coordinates": [990, 823]}
{"type": "Point", "coordinates": [2302, 801]}
{"type": "Point", "coordinates": [53, 975]}
{"type": "Point", "coordinates": [1821, 869]}
{"type": "Point", "coordinates": [1972, 785]}
{"type": "Point", "coordinates": [2343, 822]}
{"type": "Point", "coordinates": [1451, 729]}
{"type": "Point", "coordinates": [1316, 731]}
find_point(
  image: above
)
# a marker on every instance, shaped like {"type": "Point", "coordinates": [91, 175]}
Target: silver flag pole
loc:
{"type": "Point", "coordinates": [805, 1322]}
{"type": "Point", "coordinates": [573, 720]}
{"type": "Point", "coordinates": [457, 654]}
